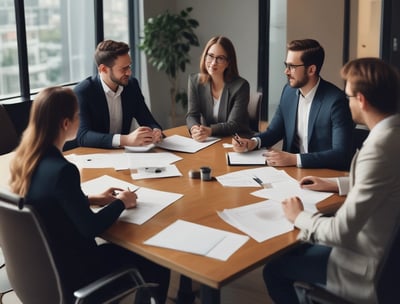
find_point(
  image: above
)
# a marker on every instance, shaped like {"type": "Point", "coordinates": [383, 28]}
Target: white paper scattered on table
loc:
{"type": "Point", "coordinates": [137, 160]}
{"type": "Point", "coordinates": [139, 148]}
{"type": "Point", "coordinates": [261, 221]}
{"type": "Point", "coordinates": [185, 144]}
{"type": "Point", "coordinates": [249, 158]}
{"type": "Point", "coordinates": [102, 183]}
{"type": "Point", "coordinates": [118, 161]}
{"type": "Point", "coordinates": [164, 171]}
{"type": "Point", "coordinates": [291, 187]}
{"type": "Point", "coordinates": [149, 201]}
{"type": "Point", "coordinates": [198, 239]}
{"type": "Point", "coordinates": [245, 178]}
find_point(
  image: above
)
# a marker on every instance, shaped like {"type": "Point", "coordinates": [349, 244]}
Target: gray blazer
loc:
{"type": "Point", "coordinates": [232, 116]}
{"type": "Point", "coordinates": [360, 231]}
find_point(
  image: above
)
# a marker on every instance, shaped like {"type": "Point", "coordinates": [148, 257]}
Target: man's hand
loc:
{"type": "Point", "coordinates": [157, 135]}
{"type": "Point", "coordinates": [319, 184]}
{"type": "Point", "coordinates": [241, 144]}
{"type": "Point", "coordinates": [142, 136]}
{"type": "Point", "coordinates": [200, 133]}
{"type": "Point", "coordinates": [292, 207]}
{"type": "Point", "coordinates": [278, 158]}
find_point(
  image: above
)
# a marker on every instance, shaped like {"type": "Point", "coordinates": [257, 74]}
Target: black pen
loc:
{"type": "Point", "coordinates": [258, 181]}
{"type": "Point", "coordinates": [235, 137]}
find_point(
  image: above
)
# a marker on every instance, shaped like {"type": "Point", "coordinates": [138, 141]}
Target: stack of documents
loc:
{"type": "Point", "coordinates": [261, 221]}
{"type": "Point", "coordinates": [198, 239]}
{"type": "Point", "coordinates": [149, 201]}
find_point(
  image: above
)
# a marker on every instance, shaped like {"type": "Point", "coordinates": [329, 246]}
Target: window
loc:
{"type": "Point", "coordinates": [60, 38]}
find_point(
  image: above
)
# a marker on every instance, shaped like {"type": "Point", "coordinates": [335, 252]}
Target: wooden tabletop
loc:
{"type": "Point", "coordinates": [200, 203]}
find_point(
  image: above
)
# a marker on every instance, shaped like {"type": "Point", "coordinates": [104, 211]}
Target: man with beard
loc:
{"type": "Point", "coordinates": [110, 100]}
{"type": "Point", "coordinates": [313, 118]}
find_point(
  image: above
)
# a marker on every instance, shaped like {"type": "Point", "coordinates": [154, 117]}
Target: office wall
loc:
{"type": "Point", "coordinates": [321, 20]}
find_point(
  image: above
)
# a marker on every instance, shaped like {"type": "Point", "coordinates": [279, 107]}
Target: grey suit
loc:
{"type": "Point", "coordinates": [361, 229]}
{"type": "Point", "coordinates": [232, 116]}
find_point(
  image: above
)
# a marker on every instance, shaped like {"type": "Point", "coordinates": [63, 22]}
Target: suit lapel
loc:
{"type": "Point", "coordinates": [102, 104]}
{"type": "Point", "coordinates": [314, 110]}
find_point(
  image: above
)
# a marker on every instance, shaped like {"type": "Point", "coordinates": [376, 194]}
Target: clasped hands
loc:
{"type": "Point", "coordinates": [200, 132]}
{"type": "Point", "coordinates": [142, 136]}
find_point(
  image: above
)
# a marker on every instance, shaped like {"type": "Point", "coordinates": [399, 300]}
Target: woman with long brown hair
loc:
{"type": "Point", "coordinates": [41, 174]}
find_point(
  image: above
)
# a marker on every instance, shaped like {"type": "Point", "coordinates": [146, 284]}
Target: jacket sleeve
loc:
{"type": "Point", "coordinates": [193, 116]}
{"type": "Point", "coordinates": [76, 205]}
{"type": "Point", "coordinates": [88, 135]}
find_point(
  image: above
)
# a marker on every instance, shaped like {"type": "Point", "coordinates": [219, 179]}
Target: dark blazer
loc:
{"type": "Point", "coordinates": [233, 116]}
{"type": "Point", "coordinates": [56, 193]}
{"type": "Point", "coordinates": [330, 127]}
{"type": "Point", "coordinates": [94, 115]}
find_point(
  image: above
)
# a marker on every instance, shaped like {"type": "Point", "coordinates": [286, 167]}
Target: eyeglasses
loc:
{"type": "Point", "coordinates": [349, 96]}
{"type": "Point", "coordinates": [292, 67]}
{"type": "Point", "coordinates": [218, 59]}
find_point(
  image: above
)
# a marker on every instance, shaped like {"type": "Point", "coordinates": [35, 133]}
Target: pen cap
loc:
{"type": "Point", "coordinates": [205, 173]}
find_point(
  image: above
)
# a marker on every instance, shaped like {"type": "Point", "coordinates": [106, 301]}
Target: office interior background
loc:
{"type": "Point", "coordinates": [51, 42]}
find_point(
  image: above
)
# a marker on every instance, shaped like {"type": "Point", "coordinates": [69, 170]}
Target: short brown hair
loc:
{"type": "Point", "coordinates": [108, 51]}
{"type": "Point", "coordinates": [378, 81]}
{"type": "Point", "coordinates": [313, 52]}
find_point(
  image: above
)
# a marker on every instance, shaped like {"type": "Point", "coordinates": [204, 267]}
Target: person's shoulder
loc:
{"type": "Point", "coordinates": [85, 83]}
{"type": "Point", "coordinates": [194, 77]}
{"type": "Point", "coordinates": [330, 87]}
{"type": "Point", "coordinates": [238, 82]}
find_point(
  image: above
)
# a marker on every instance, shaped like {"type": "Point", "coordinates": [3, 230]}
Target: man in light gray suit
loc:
{"type": "Point", "coordinates": [343, 252]}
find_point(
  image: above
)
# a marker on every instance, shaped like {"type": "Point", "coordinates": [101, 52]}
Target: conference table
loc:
{"type": "Point", "coordinates": [200, 202]}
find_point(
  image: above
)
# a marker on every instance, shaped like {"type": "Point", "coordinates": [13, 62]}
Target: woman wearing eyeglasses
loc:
{"type": "Point", "coordinates": [217, 96]}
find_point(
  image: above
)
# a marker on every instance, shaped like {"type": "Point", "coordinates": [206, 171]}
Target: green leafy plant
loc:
{"type": "Point", "coordinates": [166, 43]}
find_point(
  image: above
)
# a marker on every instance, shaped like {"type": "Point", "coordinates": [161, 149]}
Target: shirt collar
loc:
{"type": "Point", "coordinates": [110, 92]}
{"type": "Point", "coordinates": [310, 95]}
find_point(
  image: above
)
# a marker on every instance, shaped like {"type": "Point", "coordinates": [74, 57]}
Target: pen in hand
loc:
{"type": "Point", "coordinates": [235, 137]}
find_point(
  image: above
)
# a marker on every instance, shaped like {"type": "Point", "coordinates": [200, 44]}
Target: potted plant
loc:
{"type": "Point", "coordinates": [166, 43]}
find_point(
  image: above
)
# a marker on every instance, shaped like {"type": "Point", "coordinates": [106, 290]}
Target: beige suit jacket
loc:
{"type": "Point", "coordinates": [361, 229]}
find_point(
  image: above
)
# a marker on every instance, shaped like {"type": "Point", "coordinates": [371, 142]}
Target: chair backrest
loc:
{"type": "Point", "coordinates": [29, 262]}
{"type": "Point", "coordinates": [8, 134]}
{"type": "Point", "coordinates": [387, 278]}
{"type": "Point", "coordinates": [254, 109]}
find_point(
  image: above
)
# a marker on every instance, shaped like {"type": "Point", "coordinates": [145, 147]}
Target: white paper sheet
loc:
{"type": "Point", "coordinates": [198, 239]}
{"type": "Point", "coordinates": [261, 221]}
{"type": "Point", "coordinates": [149, 201]}
{"type": "Point", "coordinates": [246, 178]}
{"type": "Point", "coordinates": [102, 183]}
{"type": "Point", "coordinates": [288, 188]}
{"type": "Point", "coordinates": [139, 148]}
{"type": "Point", "coordinates": [137, 160]}
{"type": "Point", "coordinates": [249, 158]}
{"type": "Point", "coordinates": [185, 144]}
{"type": "Point", "coordinates": [159, 172]}
{"type": "Point", "coordinates": [119, 161]}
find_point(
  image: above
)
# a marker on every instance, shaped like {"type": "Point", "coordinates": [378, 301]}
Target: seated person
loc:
{"type": "Point", "coordinates": [313, 117]}
{"type": "Point", "coordinates": [109, 100]}
{"type": "Point", "coordinates": [343, 252]}
{"type": "Point", "coordinates": [50, 183]}
{"type": "Point", "coordinates": [217, 96]}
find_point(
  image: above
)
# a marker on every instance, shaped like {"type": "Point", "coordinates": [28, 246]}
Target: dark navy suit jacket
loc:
{"type": "Point", "coordinates": [330, 127]}
{"type": "Point", "coordinates": [94, 115]}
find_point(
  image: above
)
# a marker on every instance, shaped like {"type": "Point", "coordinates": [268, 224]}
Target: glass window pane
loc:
{"type": "Point", "coordinates": [60, 44]}
{"type": "Point", "coordinates": [116, 20]}
{"type": "Point", "coordinates": [9, 72]}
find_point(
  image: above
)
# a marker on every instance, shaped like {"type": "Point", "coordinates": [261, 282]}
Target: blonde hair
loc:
{"type": "Point", "coordinates": [50, 107]}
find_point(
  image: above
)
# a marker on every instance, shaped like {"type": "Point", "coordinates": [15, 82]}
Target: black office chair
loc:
{"type": "Point", "coordinates": [386, 280]}
{"type": "Point", "coordinates": [31, 266]}
{"type": "Point", "coordinates": [8, 135]}
{"type": "Point", "coordinates": [254, 109]}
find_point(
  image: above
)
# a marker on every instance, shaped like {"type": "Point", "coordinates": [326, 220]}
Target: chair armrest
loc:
{"type": "Point", "coordinates": [312, 294]}
{"type": "Point", "coordinates": [89, 289]}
